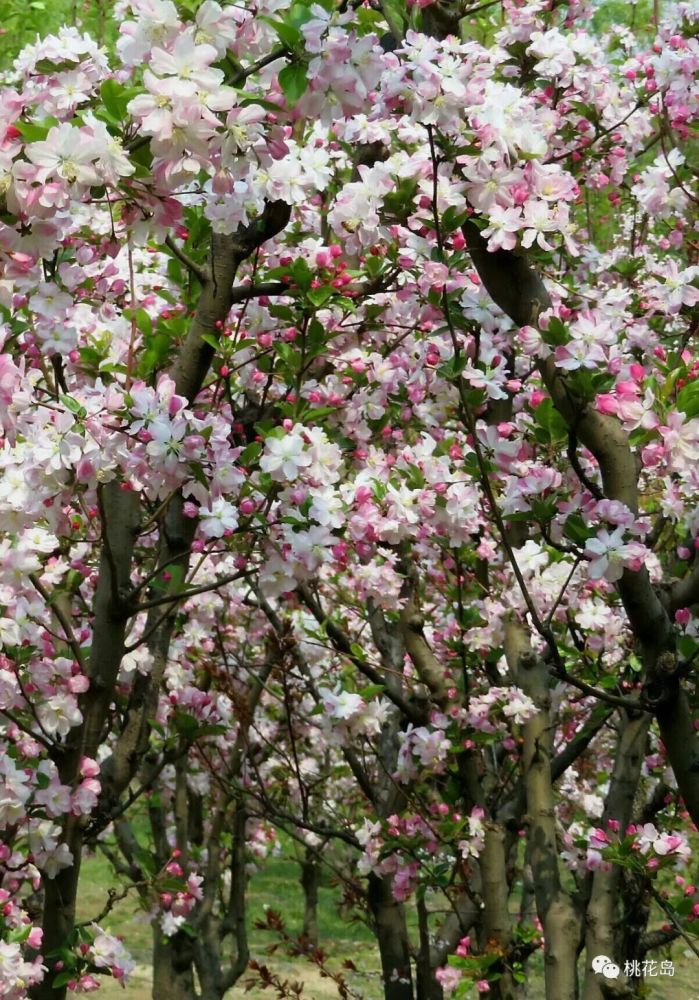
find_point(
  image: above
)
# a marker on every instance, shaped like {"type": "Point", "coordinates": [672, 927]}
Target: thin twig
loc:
{"type": "Point", "coordinates": [199, 272]}
{"type": "Point", "coordinates": [58, 611]}
{"type": "Point", "coordinates": [630, 704]}
{"type": "Point", "coordinates": [202, 589]}
{"type": "Point", "coordinates": [245, 71]}
{"type": "Point", "coordinates": [591, 487]}
{"type": "Point", "coordinates": [669, 911]}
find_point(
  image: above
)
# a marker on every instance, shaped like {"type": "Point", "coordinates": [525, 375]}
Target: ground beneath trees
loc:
{"type": "Point", "coordinates": [277, 886]}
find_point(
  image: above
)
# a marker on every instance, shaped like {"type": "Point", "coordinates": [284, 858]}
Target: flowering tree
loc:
{"type": "Point", "coordinates": [349, 436]}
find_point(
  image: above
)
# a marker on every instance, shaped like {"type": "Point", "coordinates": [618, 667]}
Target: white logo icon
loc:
{"type": "Point", "coordinates": [608, 968]}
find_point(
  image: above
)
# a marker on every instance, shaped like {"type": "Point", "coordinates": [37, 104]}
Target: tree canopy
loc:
{"type": "Point", "coordinates": [349, 479]}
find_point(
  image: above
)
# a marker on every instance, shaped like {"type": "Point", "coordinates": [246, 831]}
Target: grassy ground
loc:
{"type": "Point", "coordinates": [277, 886]}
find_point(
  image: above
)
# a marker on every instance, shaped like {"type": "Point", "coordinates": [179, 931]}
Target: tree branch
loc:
{"type": "Point", "coordinates": [200, 273]}
{"type": "Point", "coordinates": [342, 645]}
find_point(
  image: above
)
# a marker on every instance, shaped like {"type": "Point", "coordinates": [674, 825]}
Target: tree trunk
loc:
{"type": "Point", "coordinates": [392, 936]}
{"type": "Point", "coordinates": [173, 978]}
{"type": "Point", "coordinates": [426, 986]}
{"type": "Point", "coordinates": [120, 517]}
{"type": "Point", "coordinates": [557, 912]}
{"type": "Point", "coordinates": [310, 881]}
{"type": "Point", "coordinates": [603, 916]}
{"type": "Point", "coordinates": [497, 926]}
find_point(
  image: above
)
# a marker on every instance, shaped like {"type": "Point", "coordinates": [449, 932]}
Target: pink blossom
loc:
{"type": "Point", "coordinates": [448, 978]}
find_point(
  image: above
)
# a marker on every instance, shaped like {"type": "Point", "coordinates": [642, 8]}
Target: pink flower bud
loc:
{"type": "Point", "coordinates": [35, 938]}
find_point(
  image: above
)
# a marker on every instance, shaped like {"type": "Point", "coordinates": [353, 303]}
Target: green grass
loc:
{"type": "Point", "coordinates": [25, 20]}
{"type": "Point", "coordinates": [277, 886]}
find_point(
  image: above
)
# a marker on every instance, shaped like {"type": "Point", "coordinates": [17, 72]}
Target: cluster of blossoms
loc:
{"type": "Point", "coordinates": [490, 712]}
{"type": "Point", "coordinates": [451, 977]}
{"type": "Point", "coordinates": [355, 429]}
{"type": "Point", "coordinates": [105, 952]}
{"type": "Point", "coordinates": [16, 973]}
{"type": "Point", "coordinates": [33, 799]}
{"type": "Point", "coordinates": [177, 905]}
{"type": "Point", "coordinates": [347, 715]}
{"type": "Point", "coordinates": [410, 849]}
{"type": "Point", "coordinates": [601, 848]}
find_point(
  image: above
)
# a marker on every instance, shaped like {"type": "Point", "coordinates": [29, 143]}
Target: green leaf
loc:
{"type": "Point", "coordinates": [293, 81]}
{"type": "Point", "coordinates": [144, 322]}
{"type": "Point", "coordinates": [576, 529]}
{"type": "Point", "coordinates": [251, 454]}
{"type": "Point", "coordinates": [688, 400]}
{"type": "Point", "coordinates": [62, 978]}
{"type": "Point", "coordinates": [114, 97]}
{"type": "Point", "coordinates": [299, 13]}
{"type": "Point", "coordinates": [317, 412]}
{"type": "Point", "coordinates": [74, 406]}
{"type": "Point", "coordinates": [556, 332]}
{"type": "Point", "coordinates": [319, 296]}
{"type": "Point", "coordinates": [20, 934]}
{"type": "Point", "coordinates": [301, 274]}
{"type": "Point", "coordinates": [288, 34]}
{"type": "Point", "coordinates": [171, 581]}
{"type": "Point", "coordinates": [635, 664]}
{"type": "Point", "coordinates": [211, 340]}
{"type": "Point", "coordinates": [186, 725]}
{"type": "Point", "coordinates": [211, 729]}
{"type": "Point", "coordinates": [145, 858]}
{"type": "Point", "coordinates": [142, 156]}
{"type": "Point", "coordinates": [453, 219]}
{"type": "Point", "coordinates": [316, 335]}
{"type": "Point", "coordinates": [452, 368]}
{"type": "Point", "coordinates": [246, 100]}
{"type": "Point", "coordinates": [687, 646]}
{"type": "Point", "coordinates": [548, 417]}
{"type": "Point", "coordinates": [49, 67]}
{"type": "Point", "coordinates": [395, 13]}
{"type": "Point", "coordinates": [35, 131]}
{"type": "Point", "coordinates": [371, 690]}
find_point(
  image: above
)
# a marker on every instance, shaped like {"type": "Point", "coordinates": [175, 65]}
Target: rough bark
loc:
{"type": "Point", "coordinates": [429, 669]}
{"type": "Point", "coordinates": [310, 882]}
{"type": "Point", "coordinates": [508, 279]}
{"type": "Point", "coordinates": [173, 978]}
{"type": "Point", "coordinates": [221, 950]}
{"type": "Point", "coordinates": [388, 914]}
{"type": "Point", "coordinates": [557, 912]}
{"type": "Point", "coordinates": [604, 915]}
{"type": "Point", "coordinates": [176, 535]}
{"type": "Point", "coordinates": [120, 514]}
{"type": "Point", "coordinates": [426, 986]}
{"type": "Point", "coordinates": [392, 937]}
{"type": "Point", "coordinates": [227, 253]}
{"type": "Point", "coordinates": [497, 926]}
